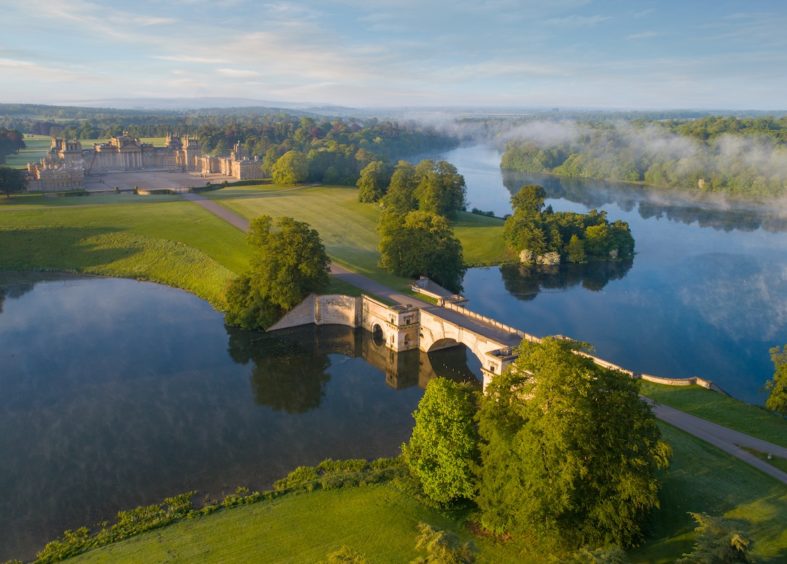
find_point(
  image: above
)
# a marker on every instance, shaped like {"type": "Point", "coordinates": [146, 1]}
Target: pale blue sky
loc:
{"type": "Point", "coordinates": [568, 53]}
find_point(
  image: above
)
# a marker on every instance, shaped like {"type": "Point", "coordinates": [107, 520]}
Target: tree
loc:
{"type": "Point", "coordinates": [373, 181]}
{"type": "Point", "coordinates": [292, 167]}
{"type": "Point", "coordinates": [443, 448]}
{"type": "Point", "coordinates": [288, 262]}
{"type": "Point", "coordinates": [12, 181]}
{"type": "Point", "coordinates": [777, 386]}
{"type": "Point", "coordinates": [400, 198]}
{"type": "Point", "coordinates": [529, 199]}
{"type": "Point", "coordinates": [717, 541]}
{"type": "Point", "coordinates": [576, 250]}
{"type": "Point", "coordinates": [421, 244]}
{"type": "Point", "coordinates": [441, 189]}
{"type": "Point", "coordinates": [568, 449]}
{"type": "Point", "coordinates": [442, 547]}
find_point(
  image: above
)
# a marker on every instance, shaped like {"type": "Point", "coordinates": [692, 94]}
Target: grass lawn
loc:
{"type": "Point", "coordinates": [349, 228]}
{"type": "Point", "coordinates": [165, 240]}
{"type": "Point", "coordinates": [380, 521]}
{"type": "Point", "coordinates": [721, 409]}
{"type": "Point", "coordinates": [702, 478]}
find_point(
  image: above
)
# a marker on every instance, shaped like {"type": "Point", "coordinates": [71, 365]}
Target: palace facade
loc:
{"type": "Point", "coordinates": [67, 163]}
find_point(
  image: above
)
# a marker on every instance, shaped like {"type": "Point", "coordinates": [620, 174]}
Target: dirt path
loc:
{"type": "Point", "coordinates": [724, 438]}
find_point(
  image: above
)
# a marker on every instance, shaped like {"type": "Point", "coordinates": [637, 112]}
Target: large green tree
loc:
{"type": "Point", "coordinates": [12, 181]}
{"type": "Point", "coordinates": [373, 181]}
{"type": "Point", "coordinates": [292, 167]}
{"type": "Point", "coordinates": [443, 448]}
{"type": "Point", "coordinates": [569, 451]}
{"type": "Point", "coordinates": [400, 198]}
{"type": "Point", "coordinates": [441, 189]}
{"type": "Point", "coordinates": [421, 244]}
{"type": "Point", "coordinates": [289, 262]}
{"type": "Point", "coordinates": [777, 386]}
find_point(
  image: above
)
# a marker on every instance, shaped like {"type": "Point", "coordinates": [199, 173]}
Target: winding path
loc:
{"type": "Point", "coordinates": [724, 438]}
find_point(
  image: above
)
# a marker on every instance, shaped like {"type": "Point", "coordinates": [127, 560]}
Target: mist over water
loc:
{"type": "Point", "coordinates": [706, 293]}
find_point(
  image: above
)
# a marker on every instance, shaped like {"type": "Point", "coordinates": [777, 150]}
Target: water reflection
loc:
{"type": "Point", "coordinates": [117, 393]}
{"type": "Point", "coordinates": [656, 203]}
{"type": "Point", "coordinates": [525, 282]}
{"type": "Point", "coordinates": [290, 368]}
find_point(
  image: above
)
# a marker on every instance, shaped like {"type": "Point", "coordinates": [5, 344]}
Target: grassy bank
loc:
{"type": "Point", "coordinates": [380, 520]}
{"type": "Point", "coordinates": [721, 409]}
{"type": "Point", "coordinates": [162, 240]}
{"type": "Point", "coordinates": [349, 228]}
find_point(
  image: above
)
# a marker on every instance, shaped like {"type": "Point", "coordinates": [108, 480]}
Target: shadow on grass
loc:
{"type": "Point", "coordinates": [57, 248]}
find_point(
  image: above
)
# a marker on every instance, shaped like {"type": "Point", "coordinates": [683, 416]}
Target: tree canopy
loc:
{"type": "Point", "coordinates": [291, 168]}
{"type": "Point", "coordinates": [12, 181]}
{"type": "Point", "coordinates": [421, 244]}
{"type": "Point", "coordinates": [288, 262]}
{"type": "Point", "coordinates": [441, 189]}
{"type": "Point", "coordinates": [568, 449]}
{"type": "Point", "coordinates": [536, 231]}
{"type": "Point", "coordinates": [443, 449]}
{"type": "Point", "coordinates": [717, 541]}
{"type": "Point", "coordinates": [373, 181]}
{"type": "Point", "coordinates": [777, 386]}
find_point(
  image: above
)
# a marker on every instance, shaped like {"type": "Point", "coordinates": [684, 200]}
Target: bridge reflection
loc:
{"type": "Point", "coordinates": [290, 366]}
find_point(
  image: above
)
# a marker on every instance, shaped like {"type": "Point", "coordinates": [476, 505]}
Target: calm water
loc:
{"type": "Point", "coordinates": [118, 393]}
{"type": "Point", "coordinates": [705, 295]}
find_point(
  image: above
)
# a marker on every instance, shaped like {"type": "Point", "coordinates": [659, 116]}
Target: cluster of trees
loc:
{"type": "Point", "coordinates": [11, 141]}
{"type": "Point", "coordinates": [12, 180]}
{"type": "Point", "coordinates": [557, 447]}
{"type": "Point", "coordinates": [743, 158]}
{"type": "Point", "coordinates": [777, 386]}
{"type": "Point", "coordinates": [416, 238]}
{"type": "Point", "coordinates": [543, 236]}
{"type": "Point", "coordinates": [288, 263]}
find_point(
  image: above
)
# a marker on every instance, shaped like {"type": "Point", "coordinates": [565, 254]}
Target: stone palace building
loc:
{"type": "Point", "coordinates": [67, 163]}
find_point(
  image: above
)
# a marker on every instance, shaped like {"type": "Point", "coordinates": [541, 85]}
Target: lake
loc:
{"type": "Point", "coordinates": [705, 295]}
{"type": "Point", "coordinates": [118, 393]}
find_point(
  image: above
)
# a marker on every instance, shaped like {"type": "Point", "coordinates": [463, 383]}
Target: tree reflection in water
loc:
{"type": "Point", "coordinates": [290, 367]}
{"type": "Point", "coordinates": [707, 210]}
{"type": "Point", "coordinates": [525, 282]}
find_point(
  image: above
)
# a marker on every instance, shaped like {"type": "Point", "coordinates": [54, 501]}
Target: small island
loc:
{"type": "Point", "coordinates": [541, 236]}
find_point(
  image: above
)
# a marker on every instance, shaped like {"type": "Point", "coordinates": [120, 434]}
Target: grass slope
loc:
{"type": "Point", "coordinates": [721, 409]}
{"type": "Point", "coordinates": [380, 521]}
{"type": "Point", "coordinates": [172, 242]}
{"type": "Point", "coordinates": [349, 228]}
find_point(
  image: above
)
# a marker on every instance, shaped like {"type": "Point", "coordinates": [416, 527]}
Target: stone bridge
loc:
{"type": "Point", "coordinates": [402, 327]}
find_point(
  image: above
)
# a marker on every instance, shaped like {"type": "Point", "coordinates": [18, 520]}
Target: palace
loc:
{"type": "Point", "coordinates": [67, 163]}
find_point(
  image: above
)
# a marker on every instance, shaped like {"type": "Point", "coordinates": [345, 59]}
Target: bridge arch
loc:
{"type": "Point", "coordinates": [436, 332]}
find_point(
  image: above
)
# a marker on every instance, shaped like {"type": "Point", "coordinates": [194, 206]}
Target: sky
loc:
{"type": "Point", "coordinates": [613, 54]}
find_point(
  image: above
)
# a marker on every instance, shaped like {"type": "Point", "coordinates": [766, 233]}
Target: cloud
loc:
{"type": "Point", "coordinates": [238, 73]}
{"type": "Point", "coordinates": [574, 21]}
{"type": "Point", "coordinates": [190, 59]}
{"type": "Point", "coordinates": [643, 35]}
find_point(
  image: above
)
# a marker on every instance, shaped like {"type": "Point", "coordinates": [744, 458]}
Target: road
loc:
{"type": "Point", "coordinates": [724, 438]}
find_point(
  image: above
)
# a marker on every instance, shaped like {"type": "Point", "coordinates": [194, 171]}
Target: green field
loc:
{"type": "Point", "coordinates": [164, 240]}
{"type": "Point", "coordinates": [380, 521]}
{"type": "Point", "coordinates": [349, 228]}
{"type": "Point", "coordinates": [38, 147]}
{"type": "Point", "coordinates": [721, 409]}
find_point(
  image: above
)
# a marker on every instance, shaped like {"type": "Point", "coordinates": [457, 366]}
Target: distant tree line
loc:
{"type": "Point", "coordinates": [738, 157]}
